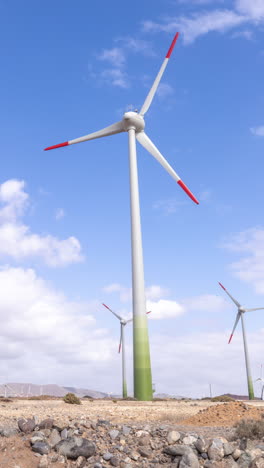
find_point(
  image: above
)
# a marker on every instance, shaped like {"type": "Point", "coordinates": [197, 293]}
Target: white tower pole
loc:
{"type": "Point", "coordinates": [142, 370]}
{"type": "Point", "coordinates": [123, 360]}
{"type": "Point", "coordinates": [249, 378]}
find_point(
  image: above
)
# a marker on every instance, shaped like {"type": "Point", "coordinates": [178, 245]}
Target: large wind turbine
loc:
{"type": "Point", "coordinates": [240, 312]}
{"type": "Point", "coordinates": [123, 323]}
{"type": "Point", "coordinates": [134, 124]}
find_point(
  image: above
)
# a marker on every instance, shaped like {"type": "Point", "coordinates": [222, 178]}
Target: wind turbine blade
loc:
{"type": "Point", "coordinates": [131, 320]}
{"type": "Point", "coordinates": [257, 308]}
{"type": "Point", "coordinates": [155, 85]}
{"type": "Point", "coordinates": [236, 322]}
{"type": "Point", "coordinates": [231, 297]}
{"type": "Point", "coordinates": [117, 316]}
{"type": "Point", "coordinates": [120, 341]}
{"type": "Point", "coordinates": [145, 141]}
{"type": "Point", "coordinates": [149, 312]}
{"type": "Point", "coordinates": [117, 127]}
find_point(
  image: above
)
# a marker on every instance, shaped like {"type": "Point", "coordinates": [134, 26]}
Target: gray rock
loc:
{"type": "Point", "coordinates": [126, 430]}
{"type": "Point", "coordinates": [134, 456]}
{"type": "Point", "coordinates": [54, 438]}
{"type": "Point", "coordinates": [244, 460]}
{"type": "Point", "coordinates": [236, 454]}
{"type": "Point", "coordinates": [114, 461]}
{"type": "Point", "coordinates": [145, 452]}
{"type": "Point", "coordinates": [98, 465]}
{"type": "Point", "coordinates": [80, 462]}
{"type": "Point", "coordinates": [189, 460]}
{"type": "Point", "coordinates": [46, 423]}
{"type": "Point", "coordinates": [107, 456]}
{"type": "Point", "coordinates": [177, 450]}
{"type": "Point", "coordinates": [41, 447]}
{"type": "Point", "coordinates": [258, 462]}
{"type": "Point", "coordinates": [216, 450]}
{"type": "Point", "coordinates": [26, 425]}
{"type": "Point", "coordinates": [144, 441]}
{"type": "Point", "coordinates": [173, 436]}
{"type": "Point", "coordinates": [35, 439]}
{"type": "Point", "coordinates": [113, 434]}
{"type": "Point", "coordinates": [7, 431]}
{"type": "Point", "coordinates": [75, 447]}
{"type": "Point", "coordinates": [64, 434]}
{"type": "Point", "coordinates": [228, 449]}
{"type": "Point", "coordinates": [189, 440]}
{"type": "Point", "coordinates": [201, 444]}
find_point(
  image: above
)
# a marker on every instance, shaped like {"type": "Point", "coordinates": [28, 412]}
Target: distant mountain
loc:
{"type": "Point", "coordinates": [29, 389]}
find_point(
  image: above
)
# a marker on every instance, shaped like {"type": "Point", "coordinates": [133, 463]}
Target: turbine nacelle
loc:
{"type": "Point", "coordinates": [242, 309]}
{"type": "Point", "coordinates": [133, 120]}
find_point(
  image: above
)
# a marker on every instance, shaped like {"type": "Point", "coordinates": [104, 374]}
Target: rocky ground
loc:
{"type": "Point", "coordinates": [101, 434]}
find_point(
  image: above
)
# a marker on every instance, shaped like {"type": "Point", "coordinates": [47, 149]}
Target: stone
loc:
{"type": "Point", "coordinates": [44, 462]}
{"type": "Point", "coordinates": [201, 444]}
{"type": "Point", "coordinates": [189, 440]}
{"type": "Point", "coordinates": [144, 441]}
{"type": "Point", "coordinates": [107, 456]}
{"type": "Point", "coordinates": [64, 434]}
{"type": "Point", "coordinates": [7, 431]}
{"type": "Point", "coordinates": [26, 425]}
{"type": "Point", "coordinates": [258, 462]}
{"type": "Point", "coordinates": [35, 439]}
{"type": "Point", "coordinates": [113, 434]}
{"type": "Point", "coordinates": [189, 460]}
{"type": "Point", "coordinates": [114, 461]}
{"type": "Point", "coordinates": [46, 423]}
{"type": "Point", "coordinates": [126, 430]}
{"type": "Point", "coordinates": [177, 450]}
{"type": "Point", "coordinates": [41, 447]}
{"type": "Point", "coordinates": [244, 460]}
{"type": "Point", "coordinates": [75, 447]}
{"type": "Point", "coordinates": [173, 436]}
{"type": "Point", "coordinates": [54, 438]}
{"type": "Point", "coordinates": [236, 454]}
{"type": "Point", "coordinates": [80, 462]}
{"type": "Point", "coordinates": [228, 449]}
{"type": "Point", "coordinates": [134, 456]}
{"type": "Point", "coordinates": [145, 452]}
{"type": "Point", "coordinates": [216, 450]}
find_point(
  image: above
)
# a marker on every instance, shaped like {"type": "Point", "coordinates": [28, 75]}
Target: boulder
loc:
{"type": "Point", "coordinates": [75, 447]}
{"type": "Point", "coordinates": [26, 425]}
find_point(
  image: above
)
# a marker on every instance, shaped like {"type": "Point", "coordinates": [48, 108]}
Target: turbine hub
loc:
{"type": "Point", "coordinates": [133, 120]}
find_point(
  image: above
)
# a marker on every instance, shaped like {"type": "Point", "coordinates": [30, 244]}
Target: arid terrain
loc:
{"type": "Point", "coordinates": [201, 416]}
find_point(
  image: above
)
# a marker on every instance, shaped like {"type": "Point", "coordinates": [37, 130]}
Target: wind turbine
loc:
{"type": "Point", "coordinates": [241, 311]}
{"type": "Point", "coordinates": [123, 323]}
{"type": "Point", "coordinates": [134, 124]}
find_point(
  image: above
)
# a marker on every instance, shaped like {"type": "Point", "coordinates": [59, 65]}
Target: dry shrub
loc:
{"type": "Point", "coordinates": [72, 399]}
{"type": "Point", "coordinates": [5, 400]}
{"type": "Point", "coordinates": [41, 397]}
{"type": "Point", "coordinates": [223, 398]}
{"type": "Point", "coordinates": [249, 429]}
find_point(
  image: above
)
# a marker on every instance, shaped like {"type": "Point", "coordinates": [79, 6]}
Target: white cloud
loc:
{"type": "Point", "coordinates": [168, 206]}
{"type": "Point", "coordinates": [42, 329]}
{"type": "Point", "coordinates": [164, 90]}
{"type": "Point", "coordinates": [258, 131]}
{"type": "Point", "coordinates": [16, 239]}
{"type": "Point", "coordinates": [206, 303]}
{"type": "Point", "coordinates": [115, 56]}
{"type": "Point", "coordinates": [115, 77]}
{"type": "Point", "coordinates": [219, 20]}
{"type": "Point", "coordinates": [156, 292]}
{"type": "Point", "coordinates": [250, 268]}
{"type": "Point", "coordinates": [246, 34]}
{"type": "Point", "coordinates": [125, 294]}
{"type": "Point", "coordinates": [136, 45]}
{"type": "Point", "coordinates": [163, 309]}
{"type": "Point", "coordinates": [60, 213]}
{"type": "Point", "coordinates": [251, 8]}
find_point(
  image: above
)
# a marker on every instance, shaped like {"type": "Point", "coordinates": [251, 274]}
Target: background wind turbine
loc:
{"type": "Point", "coordinates": [123, 323]}
{"type": "Point", "coordinates": [134, 124]}
{"type": "Point", "coordinates": [241, 311]}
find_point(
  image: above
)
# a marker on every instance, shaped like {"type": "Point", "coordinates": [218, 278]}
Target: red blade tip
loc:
{"type": "Point", "coordinates": [149, 312]}
{"type": "Point", "coordinates": [56, 146]}
{"type": "Point", "coordinates": [230, 338]}
{"type": "Point", "coordinates": [172, 45]}
{"type": "Point", "coordinates": [186, 190]}
{"type": "Point", "coordinates": [222, 286]}
{"type": "Point", "coordinates": [105, 305]}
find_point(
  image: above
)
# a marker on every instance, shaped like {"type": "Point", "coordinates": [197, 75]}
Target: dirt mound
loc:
{"type": "Point", "coordinates": [225, 414]}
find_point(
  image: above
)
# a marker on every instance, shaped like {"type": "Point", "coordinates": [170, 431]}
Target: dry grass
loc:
{"type": "Point", "coordinates": [249, 429]}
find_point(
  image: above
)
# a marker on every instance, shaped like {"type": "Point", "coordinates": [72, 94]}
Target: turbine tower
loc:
{"type": "Point", "coordinates": [240, 313]}
{"type": "Point", "coordinates": [134, 124]}
{"type": "Point", "coordinates": [123, 323]}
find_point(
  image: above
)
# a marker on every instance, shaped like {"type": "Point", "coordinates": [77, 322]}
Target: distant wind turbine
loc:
{"type": "Point", "coordinates": [134, 124]}
{"type": "Point", "coordinates": [241, 311]}
{"type": "Point", "coordinates": [123, 323]}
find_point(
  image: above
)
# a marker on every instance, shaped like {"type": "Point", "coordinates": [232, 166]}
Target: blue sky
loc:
{"type": "Point", "coordinates": [68, 70]}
